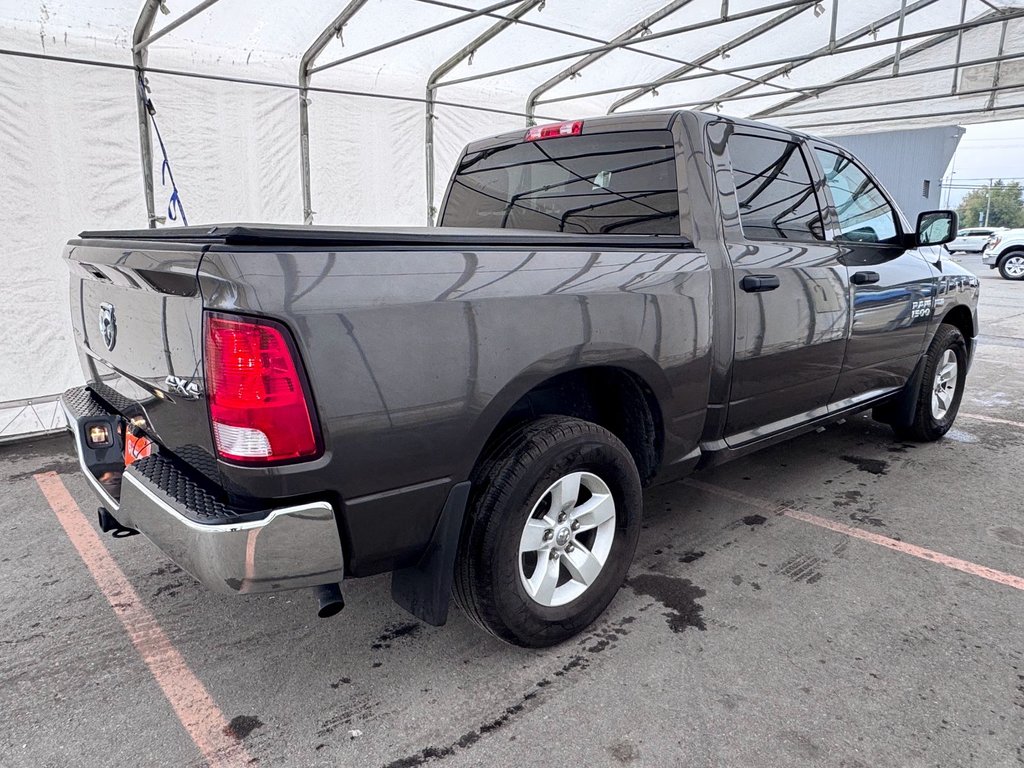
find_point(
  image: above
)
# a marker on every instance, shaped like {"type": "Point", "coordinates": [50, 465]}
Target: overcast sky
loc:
{"type": "Point", "coordinates": [987, 150]}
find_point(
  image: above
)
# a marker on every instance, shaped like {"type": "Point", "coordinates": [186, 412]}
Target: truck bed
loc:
{"type": "Point", "coordinates": [299, 235]}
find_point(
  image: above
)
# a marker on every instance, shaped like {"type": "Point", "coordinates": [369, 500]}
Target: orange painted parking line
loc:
{"type": "Point", "coordinates": [993, 420]}
{"type": "Point", "coordinates": [965, 566]}
{"type": "Point", "coordinates": [195, 708]}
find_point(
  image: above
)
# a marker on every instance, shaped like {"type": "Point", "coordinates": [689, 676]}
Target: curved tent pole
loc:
{"type": "Point", "coordinates": [861, 80]}
{"type": "Point", "coordinates": [464, 53]}
{"type": "Point", "coordinates": [170, 26]}
{"type": "Point", "coordinates": [853, 77]}
{"type": "Point", "coordinates": [797, 59]}
{"type": "Point", "coordinates": [142, 37]}
{"type": "Point", "coordinates": [834, 46]}
{"type": "Point", "coordinates": [639, 28]}
{"type": "Point", "coordinates": [314, 50]}
{"type": "Point", "coordinates": [143, 26]}
{"type": "Point", "coordinates": [415, 35]}
{"type": "Point", "coordinates": [706, 24]}
{"type": "Point", "coordinates": [746, 37]}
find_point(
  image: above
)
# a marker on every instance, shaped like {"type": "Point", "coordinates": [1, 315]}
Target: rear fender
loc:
{"type": "Point", "coordinates": [563, 361]}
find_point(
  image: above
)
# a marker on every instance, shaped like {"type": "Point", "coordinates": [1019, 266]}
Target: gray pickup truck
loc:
{"type": "Point", "coordinates": [607, 304]}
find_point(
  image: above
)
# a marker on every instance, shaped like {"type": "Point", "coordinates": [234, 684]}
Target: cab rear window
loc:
{"type": "Point", "coordinates": [607, 183]}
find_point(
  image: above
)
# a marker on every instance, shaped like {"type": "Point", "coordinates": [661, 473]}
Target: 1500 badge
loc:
{"type": "Point", "coordinates": [922, 308]}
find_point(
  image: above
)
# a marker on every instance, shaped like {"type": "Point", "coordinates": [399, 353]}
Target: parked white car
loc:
{"type": "Point", "coordinates": [1005, 252]}
{"type": "Point", "coordinates": [972, 239]}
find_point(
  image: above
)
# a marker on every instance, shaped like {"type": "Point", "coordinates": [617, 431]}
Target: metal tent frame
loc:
{"type": "Point", "coordinates": [507, 14]}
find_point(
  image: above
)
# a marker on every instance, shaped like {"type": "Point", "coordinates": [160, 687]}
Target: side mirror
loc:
{"type": "Point", "coordinates": [936, 227]}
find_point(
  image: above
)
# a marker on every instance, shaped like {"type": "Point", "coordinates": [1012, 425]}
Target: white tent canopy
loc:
{"type": "Point", "coordinates": [391, 90]}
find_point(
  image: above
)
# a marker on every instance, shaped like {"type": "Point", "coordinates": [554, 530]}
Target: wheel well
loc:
{"type": "Point", "coordinates": [1010, 251]}
{"type": "Point", "coordinates": [617, 399]}
{"type": "Point", "coordinates": [961, 319]}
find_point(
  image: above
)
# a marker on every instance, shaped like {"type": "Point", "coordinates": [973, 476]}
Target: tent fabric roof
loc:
{"type": "Point", "coordinates": [743, 57]}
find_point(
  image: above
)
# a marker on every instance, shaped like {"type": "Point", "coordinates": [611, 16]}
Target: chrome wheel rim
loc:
{"type": "Point", "coordinates": [945, 384]}
{"type": "Point", "coordinates": [567, 539]}
{"type": "Point", "coordinates": [1014, 266]}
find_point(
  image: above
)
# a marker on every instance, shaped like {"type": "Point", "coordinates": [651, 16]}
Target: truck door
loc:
{"type": "Point", "coordinates": [791, 294]}
{"type": "Point", "coordinates": [891, 286]}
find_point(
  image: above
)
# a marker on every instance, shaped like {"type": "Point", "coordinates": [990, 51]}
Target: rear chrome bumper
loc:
{"type": "Point", "coordinates": [228, 549]}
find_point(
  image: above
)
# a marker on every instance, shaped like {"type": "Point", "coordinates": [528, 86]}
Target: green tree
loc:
{"type": "Point", "coordinates": [1006, 209]}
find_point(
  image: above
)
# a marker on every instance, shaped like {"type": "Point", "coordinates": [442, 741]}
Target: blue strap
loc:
{"type": "Point", "coordinates": [174, 206]}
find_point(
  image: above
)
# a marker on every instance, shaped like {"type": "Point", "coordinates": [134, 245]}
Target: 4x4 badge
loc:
{"type": "Point", "coordinates": [108, 325]}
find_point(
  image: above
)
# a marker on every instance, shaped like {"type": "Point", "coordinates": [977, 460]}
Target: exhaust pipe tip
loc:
{"type": "Point", "coordinates": [329, 600]}
{"type": "Point", "coordinates": [109, 524]}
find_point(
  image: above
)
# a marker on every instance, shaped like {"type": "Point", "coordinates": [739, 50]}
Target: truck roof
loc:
{"type": "Point", "coordinates": [634, 121]}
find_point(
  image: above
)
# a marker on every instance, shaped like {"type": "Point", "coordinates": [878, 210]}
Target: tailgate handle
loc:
{"type": "Point", "coordinates": [759, 283]}
{"type": "Point", "coordinates": [864, 278]}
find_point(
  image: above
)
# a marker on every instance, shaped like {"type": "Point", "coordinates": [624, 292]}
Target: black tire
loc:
{"type": "Point", "coordinates": [925, 427]}
{"type": "Point", "coordinates": [506, 488]}
{"type": "Point", "coordinates": [1014, 258]}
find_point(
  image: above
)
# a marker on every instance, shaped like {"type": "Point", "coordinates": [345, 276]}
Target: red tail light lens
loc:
{"type": "Point", "coordinates": [258, 399]}
{"type": "Point", "coordinates": [554, 130]}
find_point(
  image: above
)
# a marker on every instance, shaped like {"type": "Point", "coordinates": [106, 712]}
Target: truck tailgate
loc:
{"type": "Point", "coordinates": [138, 320]}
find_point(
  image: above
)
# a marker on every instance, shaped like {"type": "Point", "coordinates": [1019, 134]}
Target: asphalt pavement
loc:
{"type": "Point", "coordinates": [844, 599]}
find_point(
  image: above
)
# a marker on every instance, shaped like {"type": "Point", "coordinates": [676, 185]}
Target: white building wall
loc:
{"type": "Point", "coordinates": [910, 164]}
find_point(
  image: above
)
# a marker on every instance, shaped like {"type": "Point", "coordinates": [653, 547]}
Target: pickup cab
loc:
{"type": "Point", "coordinates": [1005, 251]}
{"type": "Point", "coordinates": [607, 303]}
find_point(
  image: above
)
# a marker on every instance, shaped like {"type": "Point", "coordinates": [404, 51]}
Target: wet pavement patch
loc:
{"type": "Point", "coordinates": [1009, 535]}
{"type": "Point", "coordinates": [865, 516]}
{"type": "Point", "coordinates": [872, 466]}
{"type": "Point", "coordinates": [802, 568]}
{"type": "Point", "coordinates": [394, 633]}
{"type": "Point", "coordinates": [846, 498]}
{"type": "Point", "coordinates": [61, 467]}
{"type": "Point", "coordinates": [678, 595]}
{"type": "Point", "coordinates": [242, 725]}
{"type": "Point", "coordinates": [602, 637]}
{"type": "Point", "coordinates": [466, 740]}
{"type": "Point", "coordinates": [753, 520]}
{"type": "Point", "coordinates": [624, 752]}
{"type": "Point", "coordinates": [689, 557]}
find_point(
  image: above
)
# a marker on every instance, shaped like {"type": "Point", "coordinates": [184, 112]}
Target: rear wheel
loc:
{"type": "Point", "coordinates": [1011, 266]}
{"type": "Point", "coordinates": [550, 533]}
{"type": "Point", "coordinates": [941, 389]}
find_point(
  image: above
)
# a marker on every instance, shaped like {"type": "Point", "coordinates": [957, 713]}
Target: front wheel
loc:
{"type": "Point", "coordinates": [551, 530]}
{"type": "Point", "coordinates": [942, 387]}
{"type": "Point", "coordinates": [1011, 267]}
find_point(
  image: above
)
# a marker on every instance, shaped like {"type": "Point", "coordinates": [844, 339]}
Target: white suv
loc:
{"type": "Point", "coordinates": [972, 239]}
{"type": "Point", "coordinates": [1005, 252]}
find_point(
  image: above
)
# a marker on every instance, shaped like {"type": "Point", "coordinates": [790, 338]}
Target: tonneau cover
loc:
{"type": "Point", "coordinates": [360, 237]}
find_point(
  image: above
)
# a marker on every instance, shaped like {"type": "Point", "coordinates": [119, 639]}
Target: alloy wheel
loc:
{"type": "Point", "coordinates": [567, 539]}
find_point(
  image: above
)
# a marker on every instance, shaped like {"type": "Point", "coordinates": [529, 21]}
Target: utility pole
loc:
{"type": "Point", "coordinates": [988, 205]}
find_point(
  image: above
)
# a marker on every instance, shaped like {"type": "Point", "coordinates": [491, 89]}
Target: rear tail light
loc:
{"type": "Point", "coordinates": [555, 130]}
{"type": "Point", "coordinates": [258, 399]}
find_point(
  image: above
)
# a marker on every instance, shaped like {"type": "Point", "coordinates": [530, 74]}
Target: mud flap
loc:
{"type": "Point", "coordinates": [899, 412]}
{"type": "Point", "coordinates": [425, 589]}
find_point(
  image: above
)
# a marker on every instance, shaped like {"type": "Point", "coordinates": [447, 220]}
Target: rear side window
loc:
{"type": "Point", "coordinates": [774, 189]}
{"type": "Point", "coordinates": [606, 183]}
{"type": "Point", "coordinates": [865, 216]}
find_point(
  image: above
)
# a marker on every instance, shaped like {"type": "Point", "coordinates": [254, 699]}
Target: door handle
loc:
{"type": "Point", "coordinates": [864, 278]}
{"type": "Point", "coordinates": [759, 283]}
